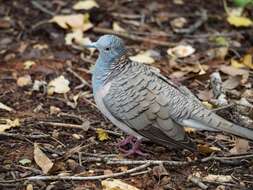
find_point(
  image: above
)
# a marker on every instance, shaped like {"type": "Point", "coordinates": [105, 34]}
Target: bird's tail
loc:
{"type": "Point", "coordinates": [207, 120]}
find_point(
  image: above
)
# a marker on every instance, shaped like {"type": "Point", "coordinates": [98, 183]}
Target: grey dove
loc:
{"type": "Point", "coordinates": [146, 105]}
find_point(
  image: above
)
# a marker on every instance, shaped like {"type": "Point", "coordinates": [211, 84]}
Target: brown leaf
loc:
{"type": "Point", "coordinates": [232, 82]}
{"type": "Point", "coordinates": [42, 160]}
{"type": "Point", "coordinates": [229, 70]}
{"type": "Point", "coordinates": [241, 146]}
{"type": "Point", "coordinates": [115, 184]}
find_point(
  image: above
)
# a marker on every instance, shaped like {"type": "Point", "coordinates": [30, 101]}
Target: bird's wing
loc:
{"type": "Point", "coordinates": [143, 102]}
{"type": "Point", "coordinates": [202, 118]}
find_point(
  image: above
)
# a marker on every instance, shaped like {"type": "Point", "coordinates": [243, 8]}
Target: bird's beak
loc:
{"type": "Point", "coordinates": [91, 45]}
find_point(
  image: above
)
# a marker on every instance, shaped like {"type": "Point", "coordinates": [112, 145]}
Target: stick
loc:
{"type": "Point", "coordinates": [203, 18]}
{"type": "Point", "coordinates": [22, 137]}
{"type": "Point", "coordinates": [197, 181]}
{"type": "Point", "coordinates": [133, 37]}
{"type": "Point", "coordinates": [84, 82]}
{"type": "Point", "coordinates": [75, 126]}
{"type": "Point", "coordinates": [226, 158]}
{"type": "Point", "coordinates": [79, 178]}
{"type": "Point", "coordinates": [42, 9]}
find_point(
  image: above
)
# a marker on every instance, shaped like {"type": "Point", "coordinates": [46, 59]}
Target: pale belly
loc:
{"type": "Point", "coordinates": [100, 104]}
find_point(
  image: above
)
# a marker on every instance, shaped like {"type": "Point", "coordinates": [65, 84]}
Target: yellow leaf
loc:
{"type": "Point", "coordinates": [207, 104]}
{"type": "Point", "coordinates": [74, 22]}
{"type": "Point", "coordinates": [116, 184]}
{"type": "Point", "coordinates": [102, 134]}
{"type": "Point", "coordinates": [143, 57]}
{"type": "Point", "coordinates": [189, 129]}
{"type": "Point", "coordinates": [7, 124]}
{"type": "Point", "coordinates": [247, 60]}
{"type": "Point", "coordinates": [116, 27]}
{"type": "Point", "coordinates": [239, 21]}
{"type": "Point", "coordinates": [41, 159]}
{"type": "Point", "coordinates": [205, 149]}
{"type": "Point", "coordinates": [85, 5]}
{"type": "Point", "coordinates": [236, 64]}
{"type": "Point", "coordinates": [28, 64]}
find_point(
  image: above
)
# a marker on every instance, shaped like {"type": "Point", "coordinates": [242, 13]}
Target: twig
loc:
{"type": "Point", "coordinates": [197, 181]}
{"type": "Point", "coordinates": [84, 82]}
{"type": "Point", "coordinates": [22, 137]}
{"type": "Point", "coordinates": [37, 5]}
{"type": "Point", "coordinates": [203, 18]}
{"type": "Point", "coordinates": [75, 126]}
{"type": "Point", "coordinates": [226, 158]}
{"type": "Point", "coordinates": [133, 37]}
{"type": "Point", "coordinates": [79, 178]}
{"type": "Point", "coordinates": [151, 162]}
{"type": "Point", "coordinates": [216, 83]}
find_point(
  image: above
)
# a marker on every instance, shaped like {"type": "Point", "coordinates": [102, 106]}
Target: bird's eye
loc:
{"type": "Point", "coordinates": [107, 49]}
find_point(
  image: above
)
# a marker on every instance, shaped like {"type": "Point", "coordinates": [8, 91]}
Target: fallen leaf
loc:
{"type": "Point", "coordinates": [144, 57]}
{"type": "Point", "coordinates": [181, 51]}
{"type": "Point", "coordinates": [8, 123]}
{"type": "Point", "coordinates": [241, 146]}
{"type": "Point", "coordinates": [58, 85]}
{"type": "Point", "coordinates": [229, 70]}
{"type": "Point", "coordinates": [5, 107]}
{"type": "Point", "coordinates": [116, 184]}
{"type": "Point", "coordinates": [239, 21]}
{"type": "Point", "coordinates": [221, 41]}
{"type": "Point", "coordinates": [178, 22]}
{"type": "Point", "coordinates": [102, 134]}
{"type": "Point", "coordinates": [85, 5]}
{"type": "Point", "coordinates": [247, 60]}
{"type": "Point", "coordinates": [189, 130]}
{"type": "Point", "coordinates": [28, 64]}
{"type": "Point", "coordinates": [24, 81]}
{"type": "Point", "coordinates": [74, 22]}
{"type": "Point", "coordinates": [218, 178]}
{"type": "Point", "coordinates": [42, 160]}
{"type": "Point", "coordinates": [29, 186]}
{"type": "Point", "coordinates": [37, 84]}
{"type": "Point", "coordinates": [116, 27]}
{"type": "Point", "coordinates": [236, 64]}
{"type": "Point", "coordinates": [25, 161]}
{"type": "Point", "coordinates": [207, 105]}
{"type": "Point", "coordinates": [232, 82]}
{"type": "Point", "coordinates": [206, 149]}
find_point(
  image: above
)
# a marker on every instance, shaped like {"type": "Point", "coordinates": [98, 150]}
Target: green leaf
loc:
{"type": "Point", "coordinates": [242, 3]}
{"type": "Point", "coordinates": [25, 161]}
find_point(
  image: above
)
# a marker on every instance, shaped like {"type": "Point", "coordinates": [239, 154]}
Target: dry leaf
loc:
{"type": "Point", "coordinates": [239, 21]}
{"type": "Point", "coordinates": [5, 107]}
{"type": "Point", "coordinates": [25, 161]}
{"type": "Point", "coordinates": [181, 51]}
{"type": "Point", "coordinates": [74, 22]}
{"type": "Point", "coordinates": [241, 146]}
{"type": "Point", "coordinates": [42, 160]}
{"type": "Point", "coordinates": [115, 184]}
{"type": "Point", "coordinates": [247, 60]}
{"type": "Point", "coordinates": [85, 5]}
{"type": "Point", "coordinates": [58, 85]}
{"type": "Point", "coordinates": [24, 81]}
{"type": "Point", "coordinates": [207, 105]}
{"type": "Point", "coordinates": [236, 64]}
{"type": "Point", "coordinates": [116, 27]}
{"type": "Point", "coordinates": [29, 187]}
{"type": "Point", "coordinates": [28, 64]}
{"type": "Point", "coordinates": [229, 70]}
{"type": "Point", "coordinates": [218, 178]}
{"type": "Point", "coordinates": [189, 130]}
{"type": "Point", "coordinates": [205, 149]}
{"type": "Point", "coordinates": [102, 134]}
{"type": "Point", "coordinates": [144, 57]}
{"type": "Point", "coordinates": [7, 124]}
{"type": "Point", "coordinates": [178, 22]}
{"type": "Point", "coordinates": [232, 82]}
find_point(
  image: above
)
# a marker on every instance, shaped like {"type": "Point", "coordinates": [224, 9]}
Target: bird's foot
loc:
{"type": "Point", "coordinates": [134, 146]}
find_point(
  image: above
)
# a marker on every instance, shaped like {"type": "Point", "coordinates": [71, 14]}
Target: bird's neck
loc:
{"type": "Point", "coordinates": [104, 69]}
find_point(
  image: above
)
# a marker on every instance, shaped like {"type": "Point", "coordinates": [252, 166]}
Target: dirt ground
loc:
{"type": "Point", "coordinates": [68, 129]}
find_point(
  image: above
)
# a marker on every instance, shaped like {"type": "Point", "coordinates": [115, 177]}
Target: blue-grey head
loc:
{"type": "Point", "coordinates": [110, 47]}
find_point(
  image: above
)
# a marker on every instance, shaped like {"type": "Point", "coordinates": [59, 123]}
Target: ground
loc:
{"type": "Point", "coordinates": [68, 130]}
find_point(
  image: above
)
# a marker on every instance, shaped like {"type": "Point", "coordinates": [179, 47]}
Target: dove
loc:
{"type": "Point", "coordinates": [145, 104]}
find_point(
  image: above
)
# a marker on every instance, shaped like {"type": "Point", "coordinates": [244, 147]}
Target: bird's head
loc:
{"type": "Point", "coordinates": [110, 47]}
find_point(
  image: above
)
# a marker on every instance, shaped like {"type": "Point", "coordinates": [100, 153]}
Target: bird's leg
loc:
{"type": "Point", "coordinates": [135, 146]}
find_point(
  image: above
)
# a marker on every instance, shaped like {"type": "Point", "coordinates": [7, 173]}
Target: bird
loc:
{"type": "Point", "coordinates": [146, 105]}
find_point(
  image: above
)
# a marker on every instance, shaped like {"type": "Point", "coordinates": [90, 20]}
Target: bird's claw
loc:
{"type": "Point", "coordinates": [135, 146]}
